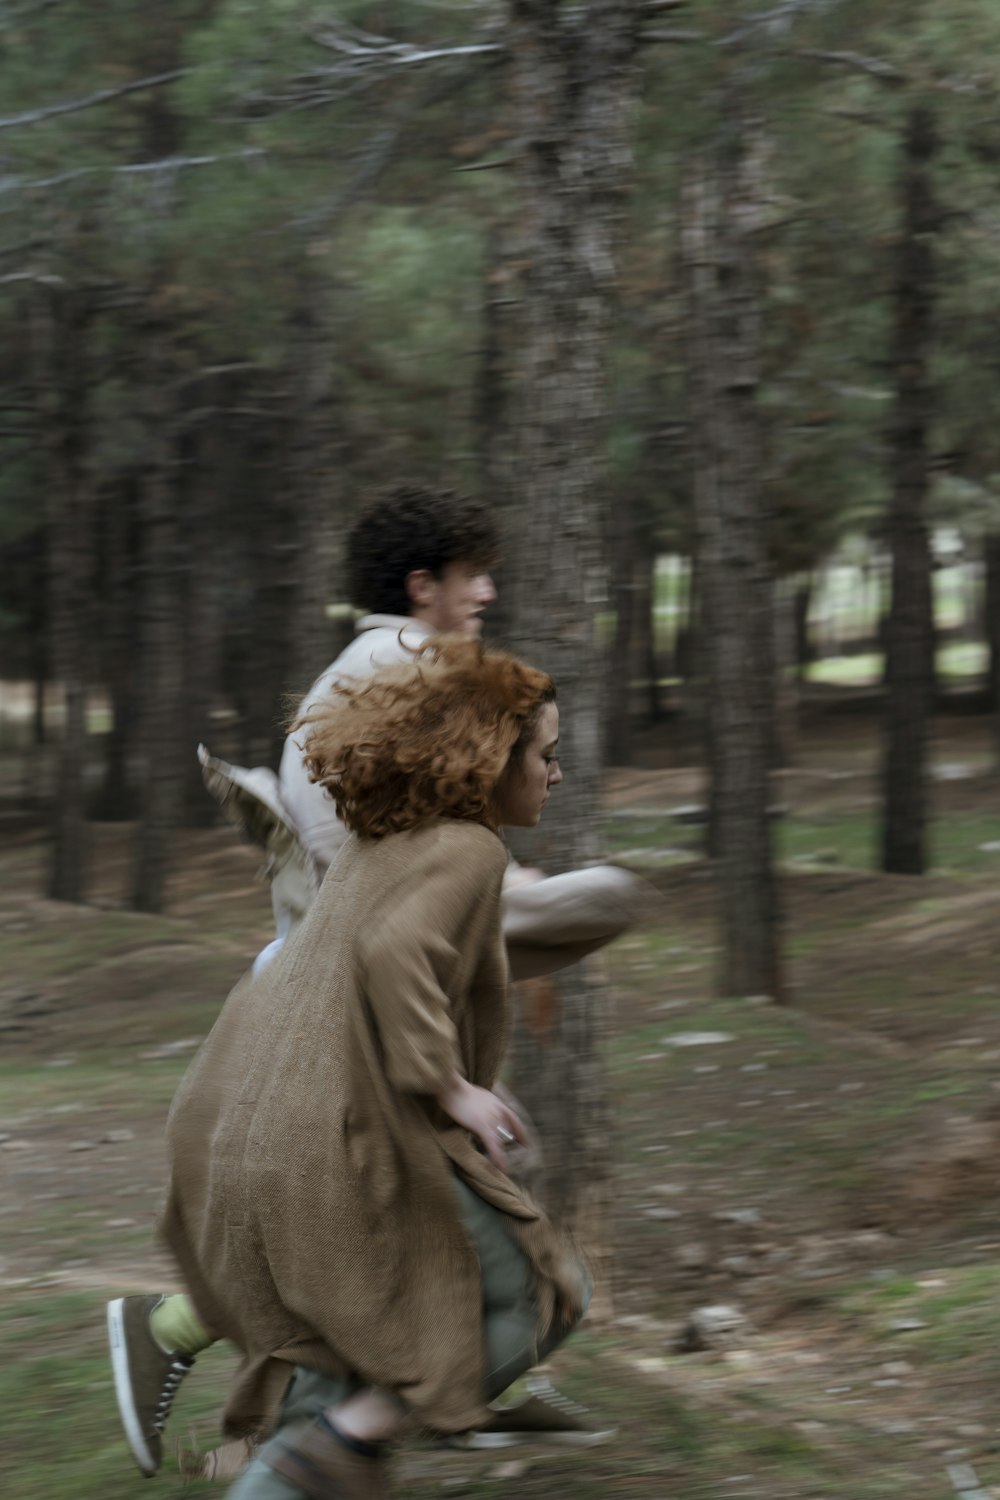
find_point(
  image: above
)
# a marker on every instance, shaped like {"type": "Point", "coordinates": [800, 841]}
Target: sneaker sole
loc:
{"type": "Point", "coordinates": [484, 1441]}
{"type": "Point", "coordinates": [123, 1388]}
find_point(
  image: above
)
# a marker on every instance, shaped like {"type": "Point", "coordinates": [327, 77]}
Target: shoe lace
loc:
{"type": "Point", "coordinates": [552, 1396]}
{"type": "Point", "coordinates": [178, 1368]}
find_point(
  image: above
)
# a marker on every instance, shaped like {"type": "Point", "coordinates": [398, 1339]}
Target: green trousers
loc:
{"type": "Point", "coordinates": [509, 1320]}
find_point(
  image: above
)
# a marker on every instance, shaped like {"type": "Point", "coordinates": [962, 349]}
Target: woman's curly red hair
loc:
{"type": "Point", "coordinates": [424, 739]}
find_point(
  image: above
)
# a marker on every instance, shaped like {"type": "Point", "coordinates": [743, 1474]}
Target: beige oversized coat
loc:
{"type": "Point", "coordinates": [310, 1203]}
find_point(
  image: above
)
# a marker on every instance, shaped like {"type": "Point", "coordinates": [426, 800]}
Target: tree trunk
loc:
{"type": "Point", "coordinates": [116, 799]}
{"type": "Point", "coordinates": [491, 417]}
{"type": "Point", "coordinates": [315, 489]}
{"type": "Point", "coordinates": [803, 644]}
{"type": "Point", "coordinates": [786, 717]}
{"type": "Point", "coordinates": [720, 222]}
{"type": "Point", "coordinates": [203, 550]}
{"type": "Point", "coordinates": [63, 332]}
{"type": "Point", "coordinates": [909, 632]}
{"type": "Point", "coordinates": [572, 80]}
{"type": "Point", "coordinates": [647, 652]}
{"type": "Point", "coordinates": [992, 585]}
{"type": "Point", "coordinates": [620, 716]}
{"type": "Point", "coordinates": [161, 635]}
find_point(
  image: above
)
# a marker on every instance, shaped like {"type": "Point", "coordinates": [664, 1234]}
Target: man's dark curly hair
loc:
{"type": "Point", "coordinates": [409, 527]}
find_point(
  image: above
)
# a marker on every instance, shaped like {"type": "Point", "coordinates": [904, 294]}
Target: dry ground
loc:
{"type": "Point", "coordinates": [828, 1168]}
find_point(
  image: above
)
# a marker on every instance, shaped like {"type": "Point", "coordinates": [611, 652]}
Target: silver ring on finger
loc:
{"type": "Point", "coordinates": [505, 1135]}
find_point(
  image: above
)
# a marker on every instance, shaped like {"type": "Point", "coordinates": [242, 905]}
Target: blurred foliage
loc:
{"type": "Point", "coordinates": [303, 158]}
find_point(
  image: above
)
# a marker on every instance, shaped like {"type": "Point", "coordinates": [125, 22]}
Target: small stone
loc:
{"type": "Point", "coordinates": [739, 1357]}
{"type": "Point", "coordinates": [15, 1145]}
{"type": "Point", "coordinates": [661, 1213]}
{"type": "Point", "coordinates": [739, 1265]}
{"type": "Point", "coordinates": [897, 1367]}
{"type": "Point", "coordinates": [692, 1257]}
{"type": "Point", "coordinates": [82, 1145]}
{"type": "Point", "coordinates": [717, 1326]}
{"type": "Point", "coordinates": [113, 1137]}
{"type": "Point", "coordinates": [696, 1039]}
{"type": "Point", "coordinates": [171, 1049]}
{"type": "Point", "coordinates": [514, 1468]}
{"type": "Point", "coordinates": [907, 1325]}
{"type": "Point", "coordinates": [745, 1216]}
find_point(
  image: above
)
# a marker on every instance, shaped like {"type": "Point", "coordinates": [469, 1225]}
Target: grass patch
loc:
{"type": "Point", "coordinates": [60, 1439]}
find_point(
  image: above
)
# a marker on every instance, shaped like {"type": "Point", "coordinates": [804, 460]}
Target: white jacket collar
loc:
{"type": "Point", "coordinates": [393, 622]}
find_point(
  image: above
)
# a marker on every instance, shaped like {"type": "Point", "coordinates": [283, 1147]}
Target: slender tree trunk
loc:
{"type": "Point", "coordinates": [803, 644]}
{"type": "Point", "coordinates": [116, 798]}
{"type": "Point", "coordinates": [720, 222]}
{"type": "Point", "coordinates": [63, 332]}
{"type": "Point", "coordinates": [491, 416]}
{"type": "Point", "coordinates": [571, 74]}
{"type": "Point", "coordinates": [316, 488]}
{"type": "Point", "coordinates": [161, 636]}
{"type": "Point", "coordinates": [786, 717]}
{"type": "Point", "coordinates": [620, 716]}
{"type": "Point", "coordinates": [202, 553]}
{"type": "Point", "coordinates": [647, 646]}
{"type": "Point", "coordinates": [992, 590]}
{"type": "Point", "coordinates": [40, 646]}
{"type": "Point", "coordinates": [909, 633]}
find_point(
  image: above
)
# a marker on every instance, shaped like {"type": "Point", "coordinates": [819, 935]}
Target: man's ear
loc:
{"type": "Point", "coordinates": [421, 587]}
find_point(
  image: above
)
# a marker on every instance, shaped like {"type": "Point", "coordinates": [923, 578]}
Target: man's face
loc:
{"type": "Point", "coordinates": [455, 601]}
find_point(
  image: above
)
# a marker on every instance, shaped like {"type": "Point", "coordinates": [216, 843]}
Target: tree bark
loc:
{"type": "Point", "coordinates": [63, 333]}
{"type": "Point", "coordinates": [572, 80]}
{"type": "Point", "coordinates": [116, 799]}
{"type": "Point", "coordinates": [909, 628]}
{"type": "Point", "coordinates": [992, 589]}
{"type": "Point", "coordinates": [491, 415]}
{"type": "Point", "coordinates": [161, 634]}
{"type": "Point", "coordinates": [620, 715]}
{"type": "Point", "coordinates": [719, 226]}
{"type": "Point", "coordinates": [202, 552]}
{"type": "Point", "coordinates": [786, 642]}
{"type": "Point", "coordinates": [645, 616]}
{"type": "Point", "coordinates": [315, 488]}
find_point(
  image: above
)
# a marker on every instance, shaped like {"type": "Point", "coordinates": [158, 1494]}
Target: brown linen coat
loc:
{"type": "Point", "coordinates": [310, 1203]}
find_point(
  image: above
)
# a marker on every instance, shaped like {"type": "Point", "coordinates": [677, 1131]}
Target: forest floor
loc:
{"type": "Point", "coordinates": [828, 1168]}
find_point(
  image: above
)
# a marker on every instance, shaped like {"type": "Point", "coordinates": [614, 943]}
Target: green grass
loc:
{"type": "Point", "coordinates": [59, 1439]}
{"type": "Point", "coordinates": [840, 840]}
{"type": "Point", "coordinates": [959, 1307]}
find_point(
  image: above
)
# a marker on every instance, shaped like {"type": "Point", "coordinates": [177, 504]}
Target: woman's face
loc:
{"type": "Point", "coordinates": [523, 789]}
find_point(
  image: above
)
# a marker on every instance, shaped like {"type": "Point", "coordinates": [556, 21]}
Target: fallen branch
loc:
{"type": "Point", "coordinates": [102, 96]}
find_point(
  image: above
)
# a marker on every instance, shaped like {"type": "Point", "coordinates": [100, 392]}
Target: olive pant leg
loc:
{"type": "Point", "coordinates": [509, 1331]}
{"type": "Point", "coordinates": [509, 1313]}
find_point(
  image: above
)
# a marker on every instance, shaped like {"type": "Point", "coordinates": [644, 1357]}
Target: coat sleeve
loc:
{"type": "Point", "coordinates": [411, 954]}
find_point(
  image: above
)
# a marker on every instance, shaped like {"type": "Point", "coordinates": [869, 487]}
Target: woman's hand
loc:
{"type": "Point", "coordinates": [492, 1122]}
